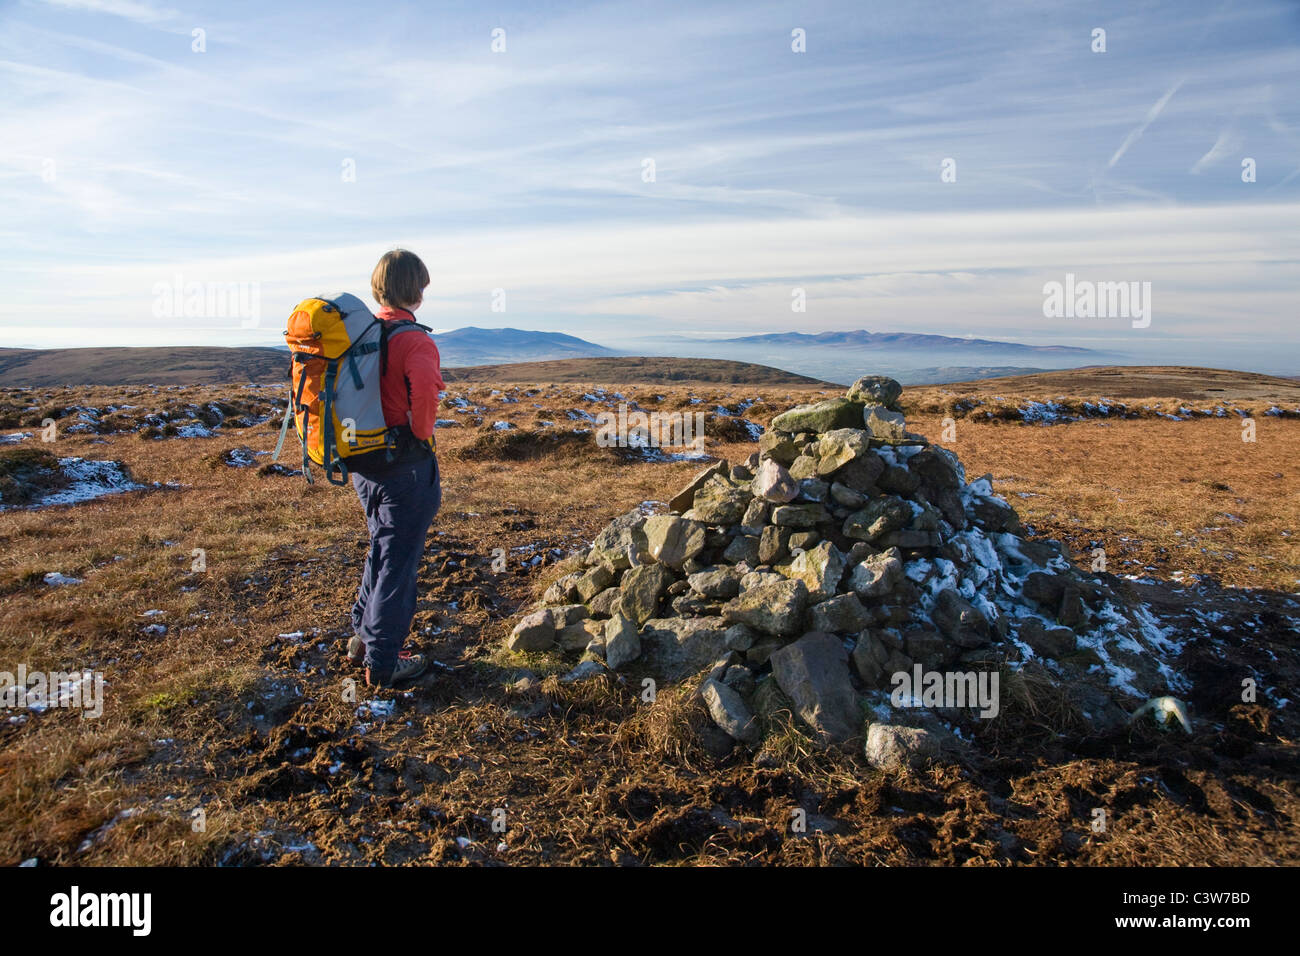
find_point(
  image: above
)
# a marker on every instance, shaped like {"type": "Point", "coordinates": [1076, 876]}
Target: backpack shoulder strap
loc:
{"type": "Point", "coordinates": [388, 329]}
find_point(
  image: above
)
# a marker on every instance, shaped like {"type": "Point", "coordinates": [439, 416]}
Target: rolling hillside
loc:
{"type": "Point", "coordinates": [631, 369]}
{"type": "Point", "coordinates": [159, 365]}
{"type": "Point", "coordinates": [209, 365]}
{"type": "Point", "coordinates": [1172, 381]}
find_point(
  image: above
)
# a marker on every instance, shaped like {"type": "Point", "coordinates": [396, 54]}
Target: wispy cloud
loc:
{"type": "Point", "coordinates": [128, 9]}
{"type": "Point", "coordinates": [1227, 144]}
{"type": "Point", "coordinates": [129, 157]}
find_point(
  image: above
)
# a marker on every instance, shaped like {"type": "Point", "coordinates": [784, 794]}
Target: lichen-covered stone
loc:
{"type": "Point", "coordinates": [594, 581]}
{"type": "Point", "coordinates": [533, 632]}
{"type": "Point", "coordinates": [877, 517]}
{"type": "Point", "coordinates": [622, 641]}
{"type": "Point", "coordinates": [642, 588]}
{"type": "Point", "coordinates": [775, 608]}
{"type": "Point", "coordinates": [813, 672]}
{"type": "Point", "coordinates": [820, 569]}
{"type": "Point", "coordinates": [684, 499]}
{"type": "Point", "coordinates": [671, 540]}
{"type": "Point", "coordinates": [619, 541]}
{"type": "Point", "coordinates": [884, 423]}
{"type": "Point", "coordinates": [841, 614]}
{"type": "Point", "coordinates": [839, 447]}
{"type": "Point", "coordinates": [730, 712]}
{"type": "Point", "coordinates": [721, 501]}
{"type": "Point", "coordinates": [875, 390]}
{"type": "Point", "coordinates": [721, 583]}
{"type": "Point", "coordinates": [820, 417]}
{"type": "Point", "coordinates": [878, 575]}
{"type": "Point", "coordinates": [799, 516]}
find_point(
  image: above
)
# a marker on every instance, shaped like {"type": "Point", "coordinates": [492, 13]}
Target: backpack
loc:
{"type": "Point", "coordinates": [340, 352]}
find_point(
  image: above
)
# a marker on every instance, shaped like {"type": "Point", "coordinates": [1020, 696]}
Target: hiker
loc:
{"type": "Point", "coordinates": [400, 497]}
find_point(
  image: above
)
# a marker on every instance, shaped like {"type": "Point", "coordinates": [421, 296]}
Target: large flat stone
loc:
{"type": "Point", "coordinates": [676, 647]}
{"type": "Point", "coordinates": [820, 417]}
{"type": "Point", "coordinates": [814, 673]}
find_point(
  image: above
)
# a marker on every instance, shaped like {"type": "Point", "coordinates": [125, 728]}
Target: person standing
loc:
{"type": "Point", "coordinates": [400, 497]}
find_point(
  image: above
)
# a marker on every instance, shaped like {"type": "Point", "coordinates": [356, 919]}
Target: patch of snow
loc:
{"type": "Point", "coordinates": [659, 455]}
{"type": "Point", "coordinates": [241, 457]}
{"type": "Point", "coordinates": [918, 570]}
{"type": "Point", "coordinates": [196, 430]}
{"type": "Point", "coordinates": [1044, 413]}
{"type": "Point", "coordinates": [90, 479]}
{"type": "Point", "coordinates": [378, 709]}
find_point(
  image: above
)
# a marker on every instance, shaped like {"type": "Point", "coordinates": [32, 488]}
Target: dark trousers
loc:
{"type": "Point", "coordinates": [400, 501]}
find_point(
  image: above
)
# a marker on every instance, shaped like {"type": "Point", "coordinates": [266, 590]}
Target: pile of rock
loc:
{"type": "Point", "coordinates": [847, 551]}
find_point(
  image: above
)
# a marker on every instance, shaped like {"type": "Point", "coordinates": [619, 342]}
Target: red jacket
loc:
{"type": "Point", "coordinates": [409, 391]}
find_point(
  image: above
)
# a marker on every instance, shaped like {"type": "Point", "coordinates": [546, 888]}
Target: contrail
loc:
{"type": "Point", "coordinates": [1152, 113]}
{"type": "Point", "coordinates": [1222, 146]}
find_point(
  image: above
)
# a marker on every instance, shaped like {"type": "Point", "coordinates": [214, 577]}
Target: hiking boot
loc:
{"type": "Point", "coordinates": [356, 650]}
{"type": "Point", "coordinates": [409, 665]}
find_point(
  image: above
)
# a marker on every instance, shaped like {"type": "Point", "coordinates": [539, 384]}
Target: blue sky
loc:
{"type": "Point", "coordinates": [128, 159]}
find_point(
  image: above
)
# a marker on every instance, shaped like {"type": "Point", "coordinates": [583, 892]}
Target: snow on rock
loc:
{"type": "Point", "coordinates": [56, 578]}
{"type": "Point", "coordinates": [242, 457]}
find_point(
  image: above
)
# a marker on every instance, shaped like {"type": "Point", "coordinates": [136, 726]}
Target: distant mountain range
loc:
{"type": "Point", "coordinates": [896, 341]}
{"type": "Point", "coordinates": [838, 357]}
{"type": "Point", "coordinates": [474, 346]}
{"type": "Point", "coordinates": [910, 357]}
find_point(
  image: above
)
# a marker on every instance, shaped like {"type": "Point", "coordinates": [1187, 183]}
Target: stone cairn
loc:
{"type": "Point", "coordinates": [846, 551]}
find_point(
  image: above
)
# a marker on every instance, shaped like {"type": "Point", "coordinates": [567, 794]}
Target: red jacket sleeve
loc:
{"type": "Point", "coordinates": [422, 370]}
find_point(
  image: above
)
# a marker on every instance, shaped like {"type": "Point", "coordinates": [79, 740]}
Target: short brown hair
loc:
{"type": "Point", "coordinates": [399, 279]}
